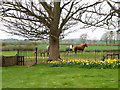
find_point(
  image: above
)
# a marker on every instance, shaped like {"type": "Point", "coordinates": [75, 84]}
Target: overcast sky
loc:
{"type": "Point", "coordinates": [93, 34]}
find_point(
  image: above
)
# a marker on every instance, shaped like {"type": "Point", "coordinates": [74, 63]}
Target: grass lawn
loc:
{"type": "Point", "coordinates": [0, 78]}
{"type": "Point", "coordinates": [44, 76]}
{"type": "Point", "coordinates": [63, 47]}
{"type": "Point", "coordinates": [8, 53]}
{"type": "Point", "coordinates": [83, 55]}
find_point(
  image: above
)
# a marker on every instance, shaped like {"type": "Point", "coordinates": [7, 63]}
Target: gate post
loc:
{"type": "Point", "coordinates": [36, 50]}
{"type": "Point", "coordinates": [18, 52]}
{"type": "Point", "coordinates": [95, 54]}
{"type": "Point", "coordinates": [17, 56]}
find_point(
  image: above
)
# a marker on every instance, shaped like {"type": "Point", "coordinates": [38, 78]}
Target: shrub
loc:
{"type": "Point", "coordinates": [4, 43]}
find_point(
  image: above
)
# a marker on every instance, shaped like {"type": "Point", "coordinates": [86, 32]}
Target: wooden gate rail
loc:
{"type": "Point", "coordinates": [112, 55]}
{"type": "Point", "coordinates": [20, 60]}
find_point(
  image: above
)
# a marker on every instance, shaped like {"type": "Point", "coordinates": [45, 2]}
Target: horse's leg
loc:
{"type": "Point", "coordinates": [68, 52]}
{"type": "Point", "coordinates": [71, 52]}
{"type": "Point", "coordinates": [75, 51]}
{"type": "Point", "coordinates": [47, 53]}
{"type": "Point", "coordinates": [82, 51]}
{"type": "Point", "coordinates": [65, 51]}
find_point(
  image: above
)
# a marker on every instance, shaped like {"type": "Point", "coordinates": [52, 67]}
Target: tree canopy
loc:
{"type": "Point", "coordinates": [50, 19]}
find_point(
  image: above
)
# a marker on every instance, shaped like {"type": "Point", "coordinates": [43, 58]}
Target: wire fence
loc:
{"type": "Point", "coordinates": [33, 55]}
{"type": "Point", "coordinates": [37, 55]}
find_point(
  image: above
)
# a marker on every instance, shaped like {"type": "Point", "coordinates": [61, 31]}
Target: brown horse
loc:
{"type": "Point", "coordinates": [80, 48]}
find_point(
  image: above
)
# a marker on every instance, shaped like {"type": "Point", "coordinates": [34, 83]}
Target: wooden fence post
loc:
{"type": "Point", "coordinates": [95, 54]}
{"type": "Point", "coordinates": [17, 56]}
{"type": "Point", "coordinates": [36, 50]}
{"type": "Point", "coordinates": [17, 52]}
{"type": "Point", "coordinates": [3, 61]}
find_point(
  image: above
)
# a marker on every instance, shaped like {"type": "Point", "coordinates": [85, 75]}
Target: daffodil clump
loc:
{"type": "Point", "coordinates": [107, 63]}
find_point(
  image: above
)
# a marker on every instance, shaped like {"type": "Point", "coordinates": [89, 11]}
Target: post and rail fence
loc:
{"type": "Point", "coordinates": [36, 55]}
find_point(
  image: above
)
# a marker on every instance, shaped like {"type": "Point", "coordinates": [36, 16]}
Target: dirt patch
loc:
{"type": "Point", "coordinates": [31, 63]}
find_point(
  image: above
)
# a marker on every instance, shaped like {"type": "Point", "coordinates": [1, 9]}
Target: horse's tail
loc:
{"type": "Point", "coordinates": [67, 49]}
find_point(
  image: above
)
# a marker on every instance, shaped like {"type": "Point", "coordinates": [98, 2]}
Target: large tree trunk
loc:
{"type": "Point", "coordinates": [54, 48]}
{"type": "Point", "coordinates": [54, 33]}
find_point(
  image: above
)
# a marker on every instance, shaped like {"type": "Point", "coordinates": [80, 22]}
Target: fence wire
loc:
{"type": "Point", "coordinates": [87, 55]}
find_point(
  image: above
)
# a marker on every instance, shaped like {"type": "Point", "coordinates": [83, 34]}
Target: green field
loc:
{"type": "Point", "coordinates": [61, 42]}
{"type": "Point", "coordinates": [0, 77]}
{"type": "Point", "coordinates": [63, 47]}
{"type": "Point", "coordinates": [30, 55]}
{"type": "Point", "coordinates": [89, 42]}
{"type": "Point", "coordinates": [9, 53]}
{"type": "Point", "coordinates": [44, 76]}
{"type": "Point", "coordinates": [92, 45]}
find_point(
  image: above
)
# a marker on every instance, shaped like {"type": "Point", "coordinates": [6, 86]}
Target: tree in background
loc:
{"type": "Point", "coordinates": [108, 37]}
{"type": "Point", "coordinates": [50, 19]}
{"type": "Point", "coordinates": [105, 37]}
{"type": "Point", "coordinates": [83, 37]}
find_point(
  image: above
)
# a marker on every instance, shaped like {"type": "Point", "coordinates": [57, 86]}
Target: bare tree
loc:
{"type": "Point", "coordinates": [50, 19]}
{"type": "Point", "coordinates": [115, 7]}
{"type": "Point", "coordinates": [108, 37]}
{"type": "Point", "coordinates": [105, 37]}
{"type": "Point", "coordinates": [83, 38]}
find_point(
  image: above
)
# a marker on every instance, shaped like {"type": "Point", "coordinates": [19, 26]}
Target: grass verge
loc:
{"type": "Point", "coordinates": [44, 76]}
